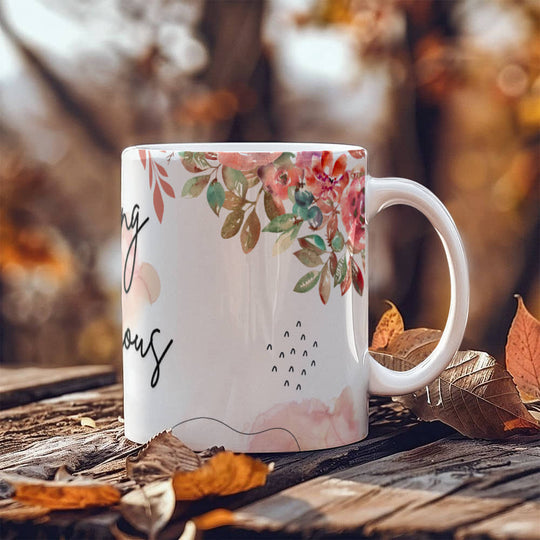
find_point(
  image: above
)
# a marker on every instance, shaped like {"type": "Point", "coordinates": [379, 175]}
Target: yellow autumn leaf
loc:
{"type": "Point", "coordinates": [389, 326]}
{"type": "Point", "coordinates": [225, 473]}
{"type": "Point", "coordinates": [62, 495]}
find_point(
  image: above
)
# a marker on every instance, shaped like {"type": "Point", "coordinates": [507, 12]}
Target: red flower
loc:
{"type": "Point", "coordinates": [327, 179]}
{"type": "Point", "coordinates": [278, 180]}
{"type": "Point", "coordinates": [353, 211]}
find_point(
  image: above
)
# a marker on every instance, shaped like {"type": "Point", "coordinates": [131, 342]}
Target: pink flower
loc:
{"type": "Point", "coordinates": [278, 180]}
{"type": "Point", "coordinates": [246, 161]}
{"type": "Point", "coordinates": [327, 178]}
{"type": "Point", "coordinates": [353, 211]}
{"type": "Point", "coordinates": [310, 424]}
{"type": "Point", "coordinates": [141, 280]}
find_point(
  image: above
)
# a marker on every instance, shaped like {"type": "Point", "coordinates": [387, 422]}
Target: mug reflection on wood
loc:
{"type": "Point", "coordinates": [245, 293]}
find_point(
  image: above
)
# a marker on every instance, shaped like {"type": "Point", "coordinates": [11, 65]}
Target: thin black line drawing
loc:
{"type": "Point", "coordinates": [282, 355]}
{"type": "Point", "coordinates": [291, 369]}
{"type": "Point", "coordinates": [286, 334]}
{"type": "Point", "coordinates": [304, 372]}
{"type": "Point", "coordinates": [313, 363]}
{"type": "Point", "coordinates": [298, 323]}
{"type": "Point", "coordinates": [274, 369]}
{"type": "Point", "coordinates": [315, 344]}
{"type": "Point", "coordinates": [237, 430]}
{"type": "Point", "coordinates": [303, 337]}
{"type": "Point", "coordinates": [298, 387]}
{"type": "Point", "coordinates": [286, 383]}
{"type": "Point", "coordinates": [293, 351]}
{"type": "Point", "coordinates": [269, 347]}
{"type": "Point", "coordinates": [304, 353]}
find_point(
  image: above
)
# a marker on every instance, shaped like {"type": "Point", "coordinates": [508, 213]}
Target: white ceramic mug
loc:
{"type": "Point", "coordinates": [245, 305]}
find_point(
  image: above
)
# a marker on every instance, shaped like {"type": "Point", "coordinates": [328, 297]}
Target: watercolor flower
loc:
{"type": "Point", "coordinates": [313, 424]}
{"type": "Point", "coordinates": [327, 178]}
{"type": "Point", "coordinates": [353, 207]}
{"type": "Point", "coordinates": [277, 180]}
{"type": "Point", "coordinates": [246, 161]}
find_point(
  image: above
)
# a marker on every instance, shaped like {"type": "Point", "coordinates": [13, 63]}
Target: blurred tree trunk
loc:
{"type": "Point", "coordinates": [71, 104]}
{"type": "Point", "coordinates": [232, 34]}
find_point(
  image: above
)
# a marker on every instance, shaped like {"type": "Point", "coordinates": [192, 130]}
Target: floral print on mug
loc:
{"type": "Point", "coordinates": [314, 201]}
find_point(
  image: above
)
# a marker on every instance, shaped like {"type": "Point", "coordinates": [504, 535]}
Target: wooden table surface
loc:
{"type": "Point", "coordinates": [408, 479]}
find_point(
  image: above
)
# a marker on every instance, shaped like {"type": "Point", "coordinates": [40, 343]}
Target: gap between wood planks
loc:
{"type": "Point", "coordinates": [20, 385]}
{"type": "Point", "coordinates": [400, 495]}
{"type": "Point", "coordinates": [397, 480]}
{"type": "Point", "coordinates": [38, 438]}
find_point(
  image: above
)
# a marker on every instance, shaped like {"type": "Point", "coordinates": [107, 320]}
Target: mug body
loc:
{"type": "Point", "coordinates": [245, 294]}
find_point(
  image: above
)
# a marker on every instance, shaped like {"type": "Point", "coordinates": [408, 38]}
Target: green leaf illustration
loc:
{"type": "Point", "coordinates": [252, 178]}
{"type": "Point", "coordinates": [235, 181]}
{"type": "Point", "coordinates": [307, 281]}
{"type": "Point", "coordinates": [232, 201]}
{"type": "Point", "coordinates": [285, 160]}
{"type": "Point", "coordinates": [341, 271]}
{"type": "Point", "coordinates": [286, 239]}
{"type": "Point", "coordinates": [281, 223]}
{"type": "Point", "coordinates": [215, 195]}
{"type": "Point", "coordinates": [194, 186]}
{"type": "Point", "coordinates": [313, 241]}
{"type": "Point", "coordinates": [194, 161]}
{"type": "Point", "coordinates": [338, 242]}
{"type": "Point", "coordinates": [232, 223]}
{"type": "Point", "coordinates": [308, 257]}
{"type": "Point", "coordinates": [290, 193]}
{"type": "Point", "coordinates": [272, 208]}
{"type": "Point", "coordinates": [325, 283]}
{"type": "Point", "coordinates": [250, 232]}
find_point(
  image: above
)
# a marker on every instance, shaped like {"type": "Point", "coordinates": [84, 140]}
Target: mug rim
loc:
{"type": "Point", "coordinates": [247, 147]}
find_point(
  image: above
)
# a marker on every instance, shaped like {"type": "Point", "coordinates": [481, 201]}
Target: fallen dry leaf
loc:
{"type": "Point", "coordinates": [86, 421]}
{"type": "Point", "coordinates": [225, 473]}
{"type": "Point", "coordinates": [149, 508]}
{"type": "Point", "coordinates": [11, 510]}
{"type": "Point", "coordinates": [219, 517]}
{"type": "Point", "coordinates": [390, 325]}
{"type": "Point", "coordinates": [61, 495]}
{"type": "Point", "coordinates": [523, 352]}
{"type": "Point", "coordinates": [160, 458]}
{"type": "Point", "coordinates": [474, 394]}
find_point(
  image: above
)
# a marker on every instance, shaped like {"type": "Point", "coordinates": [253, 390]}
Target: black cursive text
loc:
{"type": "Point", "coordinates": [138, 343]}
{"type": "Point", "coordinates": [131, 253]}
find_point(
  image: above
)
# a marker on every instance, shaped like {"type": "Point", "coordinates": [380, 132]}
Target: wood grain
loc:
{"type": "Point", "coordinates": [435, 489]}
{"type": "Point", "coordinates": [406, 479]}
{"type": "Point", "coordinates": [25, 385]}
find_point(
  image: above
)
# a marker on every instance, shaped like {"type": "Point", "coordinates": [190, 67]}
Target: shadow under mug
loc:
{"type": "Point", "coordinates": [245, 303]}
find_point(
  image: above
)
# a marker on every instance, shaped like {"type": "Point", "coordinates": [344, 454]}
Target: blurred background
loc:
{"type": "Point", "coordinates": [444, 92]}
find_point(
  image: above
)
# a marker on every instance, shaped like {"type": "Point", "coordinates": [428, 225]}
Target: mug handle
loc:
{"type": "Point", "coordinates": [382, 193]}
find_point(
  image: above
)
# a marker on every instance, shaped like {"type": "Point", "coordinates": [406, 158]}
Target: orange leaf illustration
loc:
{"type": "Point", "coordinates": [158, 203]}
{"type": "Point", "coordinates": [523, 352]}
{"type": "Point", "coordinates": [390, 325]}
{"type": "Point", "coordinates": [225, 473]}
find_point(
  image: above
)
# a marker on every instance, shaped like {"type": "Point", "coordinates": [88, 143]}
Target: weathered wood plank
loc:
{"type": "Point", "coordinates": [434, 489]}
{"type": "Point", "coordinates": [521, 522]}
{"type": "Point", "coordinates": [37, 438]}
{"type": "Point", "coordinates": [397, 480]}
{"type": "Point", "coordinates": [59, 417]}
{"type": "Point", "coordinates": [27, 384]}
